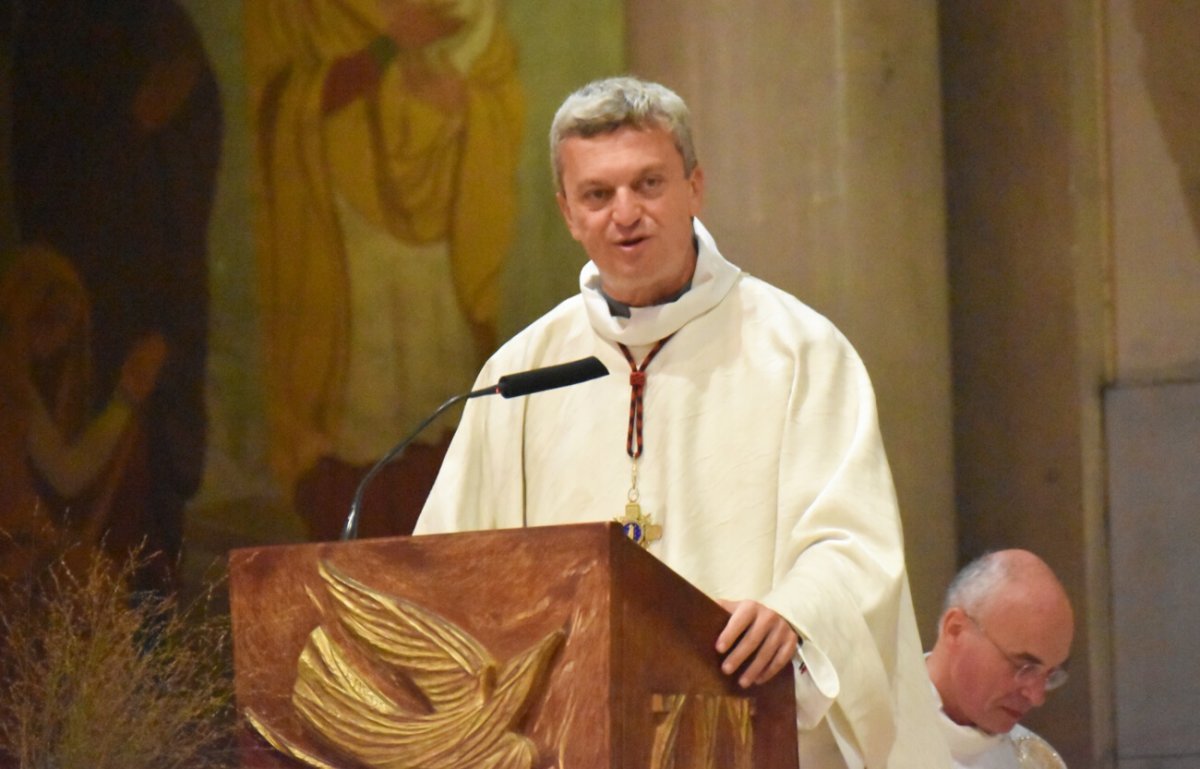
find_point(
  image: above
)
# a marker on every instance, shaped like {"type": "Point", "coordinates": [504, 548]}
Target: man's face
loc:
{"type": "Point", "coordinates": [986, 653]}
{"type": "Point", "coordinates": [626, 200]}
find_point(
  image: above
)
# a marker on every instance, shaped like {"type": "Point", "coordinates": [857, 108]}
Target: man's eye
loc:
{"type": "Point", "coordinates": [651, 185]}
{"type": "Point", "coordinates": [595, 196]}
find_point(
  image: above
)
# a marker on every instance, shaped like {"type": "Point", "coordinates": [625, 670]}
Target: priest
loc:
{"type": "Point", "coordinates": [737, 439]}
{"type": "Point", "coordinates": [1002, 646]}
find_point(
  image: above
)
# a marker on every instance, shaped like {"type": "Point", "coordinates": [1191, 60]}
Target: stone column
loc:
{"type": "Point", "coordinates": [818, 125]}
{"type": "Point", "coordinates": [1028, 240]}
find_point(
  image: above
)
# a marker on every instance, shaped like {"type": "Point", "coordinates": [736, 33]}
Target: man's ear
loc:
{"type": "Point", "coordinates": [696, 181]}
{"type": "Point", "coordinates": [953, 624]}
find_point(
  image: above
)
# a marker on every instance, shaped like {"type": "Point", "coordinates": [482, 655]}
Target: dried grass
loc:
{"type": "Point", "coordinates": [92, 677]}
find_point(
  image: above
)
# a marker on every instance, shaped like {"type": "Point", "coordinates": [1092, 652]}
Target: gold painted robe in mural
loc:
{"type": "Point", "coordinates": [353, 136]}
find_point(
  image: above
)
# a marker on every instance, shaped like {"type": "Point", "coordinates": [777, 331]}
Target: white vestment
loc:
{"type": "Point", "coordinates": [1019, 748]}
{"type": "Point", "coordinates": [763, 463]}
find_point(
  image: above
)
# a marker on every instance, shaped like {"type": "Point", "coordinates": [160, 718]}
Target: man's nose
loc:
{"type": "Point", "coordinates": [1035, 691]}
{"type": "Point", "coordinates": [627, 209]}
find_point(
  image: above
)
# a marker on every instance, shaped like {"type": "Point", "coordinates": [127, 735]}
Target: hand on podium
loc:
{"type": "Point", "coordinates": [756, 634]}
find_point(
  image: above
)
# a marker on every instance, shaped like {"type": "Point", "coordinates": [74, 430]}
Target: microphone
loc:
{"type": "Point", "coordinates": [547, 378]}
{"type": "Point", "coordinates": [510, 386]}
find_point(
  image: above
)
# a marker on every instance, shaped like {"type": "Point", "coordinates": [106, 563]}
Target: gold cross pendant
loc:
{"type": "Point", "coordinates": [637, 525]}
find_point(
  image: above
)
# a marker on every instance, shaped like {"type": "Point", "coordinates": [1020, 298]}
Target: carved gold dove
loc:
{"type": "Point", "coordinates": [473, 707]}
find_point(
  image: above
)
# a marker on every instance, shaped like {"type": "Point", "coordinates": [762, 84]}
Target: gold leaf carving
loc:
{"type": "Point", "coordinates": [666, 732]}
{"type": "Point", "coordinates": [702, 731]}
{"type": "Point", "coordinates": [473, 703]}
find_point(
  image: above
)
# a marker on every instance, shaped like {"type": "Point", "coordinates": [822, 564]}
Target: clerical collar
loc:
{"type": "Point", "coordinates": [622, 310]}
{"type": "Point", "coordinates": [964, 741]}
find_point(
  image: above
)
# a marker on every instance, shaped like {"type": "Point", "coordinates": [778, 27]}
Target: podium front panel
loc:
{"type": "Point", "coordinates": [635, 681]}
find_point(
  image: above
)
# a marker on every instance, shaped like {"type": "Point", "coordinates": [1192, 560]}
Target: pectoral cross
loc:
{"type": "Point", "coordinates": [638, 526]}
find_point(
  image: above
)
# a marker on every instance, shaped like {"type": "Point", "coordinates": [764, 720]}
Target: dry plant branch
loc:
{"type": "Point", "coordinates": [93, 676]}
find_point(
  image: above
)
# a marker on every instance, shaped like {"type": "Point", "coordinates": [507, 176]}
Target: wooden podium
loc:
{"type": "Point", "coordinates": [563, 646]}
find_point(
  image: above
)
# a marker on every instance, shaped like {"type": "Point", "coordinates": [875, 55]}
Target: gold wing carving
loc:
{"type": "Point", "coordinates": [284, 745]}
{"type": "Point", "coordinates": [473, 706]}
{"type": "Point", "coordinates": [448, 666]}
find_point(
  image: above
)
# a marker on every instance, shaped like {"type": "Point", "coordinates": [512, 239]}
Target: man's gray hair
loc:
{"type": "Point", "coordinates": [603, 106]}
{"type": "Point", "coordinates": [975, 583]}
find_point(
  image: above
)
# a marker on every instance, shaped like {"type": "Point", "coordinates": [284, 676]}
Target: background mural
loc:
{"type": "Point", "coordinates": [295, 229]}
{"type": "Point", "coordinates": [386, 160]}
{"type": "Point", "coordinates": [115, 135]}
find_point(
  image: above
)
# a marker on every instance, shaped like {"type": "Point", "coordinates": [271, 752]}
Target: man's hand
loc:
{"type": "Point", "coordinates": [755, 633]}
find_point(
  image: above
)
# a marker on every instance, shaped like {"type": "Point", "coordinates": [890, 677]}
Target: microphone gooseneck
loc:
{"type": "Point", "coordinates": [510, 386]}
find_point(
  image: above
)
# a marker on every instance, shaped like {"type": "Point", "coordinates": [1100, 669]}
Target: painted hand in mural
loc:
{"type": "Point", "coordinates": [416, 27]}
{"type": "Point", "coordinates": [407, 39]}
{"type": "Point", "coordinates": [434, 81]}
{"type": "Point", "coordinates": [415, 23]}
{"type": "Point", "coordinates": [143, 364]}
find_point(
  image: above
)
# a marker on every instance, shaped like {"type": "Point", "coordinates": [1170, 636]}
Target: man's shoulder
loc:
{"type": "Point", "coordinates": [751, 285]}
{"type": "Point", "coordinates": [786, 311]}
{"type": "Point", "coordinates": [565, 325]}
{"type": "Point", "coordinates": [1033, 752]}
{"type": "Point", "coordinates": [569, 310]}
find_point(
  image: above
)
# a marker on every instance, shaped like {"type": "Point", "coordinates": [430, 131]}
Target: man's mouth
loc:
{"type": "Point", "coordinates": [630, 242]}
{"type": "Point", "coordinates": [1013, 713]}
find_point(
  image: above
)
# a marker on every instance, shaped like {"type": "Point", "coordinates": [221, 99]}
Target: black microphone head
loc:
{"type": "Point", "coordinates": [550, 377]}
